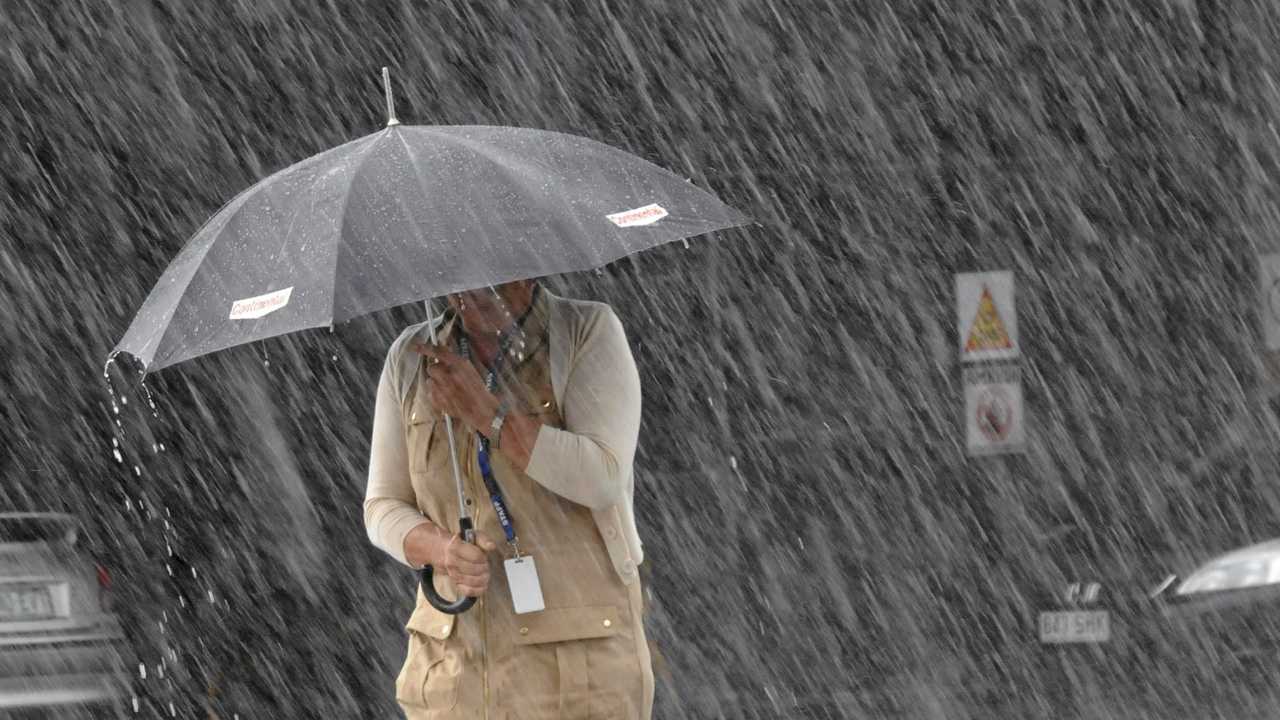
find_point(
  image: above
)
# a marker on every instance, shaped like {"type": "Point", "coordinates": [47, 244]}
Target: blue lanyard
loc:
{"type": "Point", "coordinates": [486, 471]}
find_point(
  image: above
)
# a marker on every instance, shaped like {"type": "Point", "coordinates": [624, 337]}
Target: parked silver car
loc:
{"type": "Point", "coordinates": [60, 647]}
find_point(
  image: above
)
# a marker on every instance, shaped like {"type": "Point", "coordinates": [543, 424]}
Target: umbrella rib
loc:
{"type": "Point", "coordinates": [293, 217]}
{"type": "Point", "coordinates": [311, 186]}
{"type": "Point", "coordinates": [422, 186]}
{"type": "Point", "coordinates": [342, 219]}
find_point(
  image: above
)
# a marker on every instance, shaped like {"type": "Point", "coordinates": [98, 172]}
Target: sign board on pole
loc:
{"type": "Point", "coordinates": [994, 418]}
{"type": "Point", "coordinates": [986, 316]}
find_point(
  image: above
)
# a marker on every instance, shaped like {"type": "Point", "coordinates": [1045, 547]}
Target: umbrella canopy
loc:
{"type": "Point", "coordinates": [405, 214]}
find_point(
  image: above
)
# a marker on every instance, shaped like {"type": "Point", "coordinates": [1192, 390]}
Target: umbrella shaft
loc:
{"type": "Point", "coordinates": [448, 426]}
{"type": "Point", "coordinates": [457, 471]}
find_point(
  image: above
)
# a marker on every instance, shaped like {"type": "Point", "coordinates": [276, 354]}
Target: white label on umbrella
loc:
{"type": "Point", "coordinates": [256, 307]}
{"type": "Point", "coordinates": [647, 215]}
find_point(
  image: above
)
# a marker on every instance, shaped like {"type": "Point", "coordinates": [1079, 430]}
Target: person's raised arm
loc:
{"type": "Point", "coordinates": [589, 461]}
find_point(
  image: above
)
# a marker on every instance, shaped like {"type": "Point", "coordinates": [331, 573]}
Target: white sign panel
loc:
{"type": "Point", "coordinates": [986, 316]}
{"type": "Point", "coordinates": [994, 418]}
{"type": "Point", "coordinates": [1075, 626]}
{"type": "Point", "coordinates": [1269, 285]}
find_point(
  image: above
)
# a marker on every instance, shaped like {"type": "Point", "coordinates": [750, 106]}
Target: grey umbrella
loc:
{"type": "Point", "coordinates": [403, 215]}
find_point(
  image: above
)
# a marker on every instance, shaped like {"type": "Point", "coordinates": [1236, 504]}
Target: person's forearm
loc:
{"type": "Point", "coordinates": [520, 434]}
{"type": "Point", "coordinates": [578, 467]}
{"type": "Point", "coordinates": [388, 520]}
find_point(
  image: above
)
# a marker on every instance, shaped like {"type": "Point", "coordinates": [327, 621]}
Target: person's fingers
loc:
{"type": "Point", "coordinates": [472, 580]}
{"type": "Point", "coordinates": [441, 399]}
{"type": "Point", "coordinates": [441, 358]}
{"type": "Point", "coordinates": [480, 581]}
{"type": "Point", "coordinates": [467, 567]}
{"type": "Point", "coordinates": [472, 591]}
{"type": "Point", "coordinates": [485, 543]}
{"type": "Point", "coordinates": [442, 381]}
{"type": "Point", "coordinates": [469, 553]}
{"type": "Point", "coordinates": [465, 552]}
{"type": "Point", "coordinates": [457, 551]}
{"type": "Point", "coordinates": [448, 560]}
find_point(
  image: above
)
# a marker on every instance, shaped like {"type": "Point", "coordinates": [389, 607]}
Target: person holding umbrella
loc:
{"type": "Point", "coordinates": [548, 396]}
{"type": "Point", "coordinates": [544, 388]}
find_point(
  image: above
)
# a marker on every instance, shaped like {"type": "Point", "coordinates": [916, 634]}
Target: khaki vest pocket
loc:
{"type": "Point", "coordinates": [561, 624]}
{"type": "Point", "coordinates": [420, 433]}
{"type": "Point", "coordinates": [428, 680]}
{"type": "Point", "coordinates": [568, 633]}
{"type": "Point", "coordinates": [430, 621]}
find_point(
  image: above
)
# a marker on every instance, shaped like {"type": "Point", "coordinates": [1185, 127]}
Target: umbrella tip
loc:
{"type": "Point", "coordinates": [391, 105]}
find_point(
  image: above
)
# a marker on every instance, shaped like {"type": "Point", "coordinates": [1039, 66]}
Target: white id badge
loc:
{"type": "Point", "coordinates": [526, 593]}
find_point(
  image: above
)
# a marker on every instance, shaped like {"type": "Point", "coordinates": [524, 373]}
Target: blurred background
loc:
{"type": "Point", "coordinates": [819, 543]}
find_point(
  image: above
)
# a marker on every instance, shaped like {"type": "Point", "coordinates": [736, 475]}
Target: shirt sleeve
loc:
{"type": "Point", "coordinates": [390, 506]}
{"type": "Point", "coordinates": [589, 462]}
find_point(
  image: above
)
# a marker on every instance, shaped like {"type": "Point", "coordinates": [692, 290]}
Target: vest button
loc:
{"type": "Point", "coordinates": [444, 630]}
{"type": "Point", "coordinates": [413, 417]}
{"type": "Point", "coordinates": [524, 631]}
{"type": "Point", "coordinates": [628, 567]}
{"type": "Point", "coordinates": [608, 623]}
{"type": "Point", "coordinates": [611, 532]}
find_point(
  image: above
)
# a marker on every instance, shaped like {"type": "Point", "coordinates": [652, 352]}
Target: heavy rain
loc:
{"type": "Point", "coordinates": [829, 529]}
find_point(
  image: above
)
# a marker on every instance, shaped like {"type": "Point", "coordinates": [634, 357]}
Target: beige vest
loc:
{"type": "Point", "coordinates": [563, 317]}
{"type": "Point", "coordinates": [585, 655]}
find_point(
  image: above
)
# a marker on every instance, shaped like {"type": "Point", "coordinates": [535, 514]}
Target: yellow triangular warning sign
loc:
{"type": "Point", "coordinates": [988, 331]}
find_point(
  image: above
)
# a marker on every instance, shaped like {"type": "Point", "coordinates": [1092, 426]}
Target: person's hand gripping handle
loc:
{"type": "Point", "coordinates": [465, 558]}
{"type": "Point", "coordinates": [463, 603]}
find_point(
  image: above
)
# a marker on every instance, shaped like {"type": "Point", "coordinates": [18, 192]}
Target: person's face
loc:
{"type": "Point", "coordinates": [491, 309]}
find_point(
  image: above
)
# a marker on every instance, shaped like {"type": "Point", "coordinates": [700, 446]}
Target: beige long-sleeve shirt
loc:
{"type": "Point", "coordinates": [597, 386]}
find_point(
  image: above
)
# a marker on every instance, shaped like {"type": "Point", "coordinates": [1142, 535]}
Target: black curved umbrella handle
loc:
{"type": "Point", "coordinates": [462, 604]}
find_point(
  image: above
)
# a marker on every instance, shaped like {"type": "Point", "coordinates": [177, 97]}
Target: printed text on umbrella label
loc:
{"type": "Point", "coordinates": [259, 305]}
{"type": "Point", "coordinates": [647, 215]}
